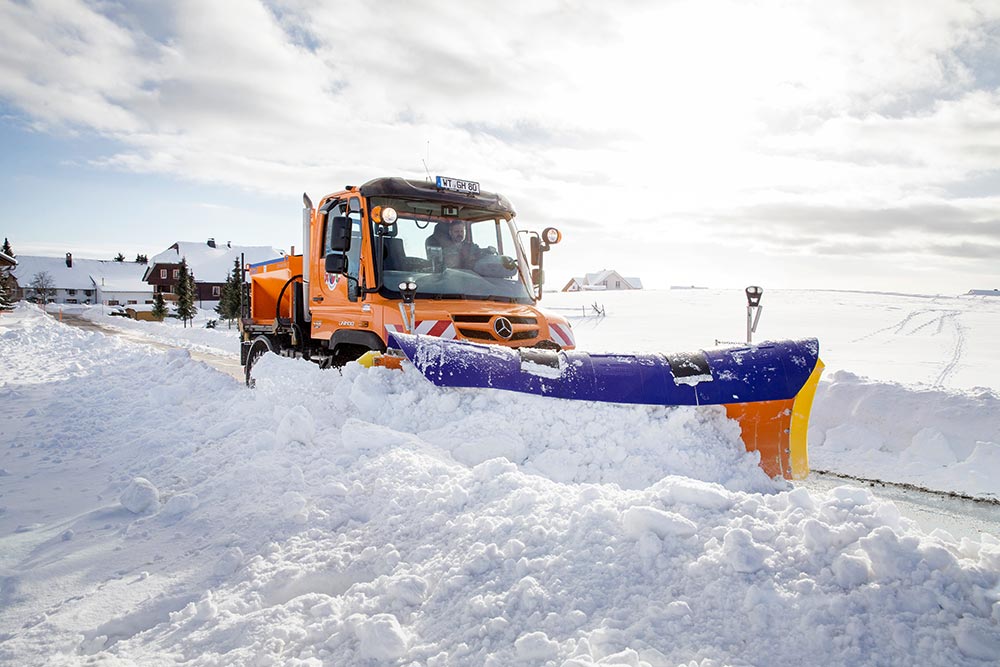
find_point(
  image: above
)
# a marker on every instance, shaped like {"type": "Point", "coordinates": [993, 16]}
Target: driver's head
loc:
{"type": "Point", "coordinates": [456, 231]}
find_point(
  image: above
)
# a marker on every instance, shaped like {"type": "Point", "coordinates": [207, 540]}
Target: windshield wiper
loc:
{"type": "Point", "coordinates": [442, 297]}
{"type": "Point", "coordinates": [492, 297]}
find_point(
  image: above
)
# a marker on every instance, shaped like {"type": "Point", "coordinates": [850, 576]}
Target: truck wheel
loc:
{"type": "Point", "coordinates": [261, 346]}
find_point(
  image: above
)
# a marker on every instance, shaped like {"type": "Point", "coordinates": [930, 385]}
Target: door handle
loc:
{"type": "Point", "coordinates": [317, 298]}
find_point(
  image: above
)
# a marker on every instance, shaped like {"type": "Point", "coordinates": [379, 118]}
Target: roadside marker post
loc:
{"type": "Point", "coordinates": [754, 294]}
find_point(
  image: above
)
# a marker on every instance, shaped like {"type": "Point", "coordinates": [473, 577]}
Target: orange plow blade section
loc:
{"type": "Point", "coordinates": [777, 430]}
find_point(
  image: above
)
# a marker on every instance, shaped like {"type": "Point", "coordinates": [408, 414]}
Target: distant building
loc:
{"type": "Point", "coordinates": [83, 281]}
{"type": "Point", "coordinates": [209, 263]}
{"type": "Point", "coordinates": [602, 280]}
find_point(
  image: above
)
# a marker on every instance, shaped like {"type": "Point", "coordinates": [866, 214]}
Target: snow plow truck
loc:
{"type": "Point", "coordinates": [433, 276]}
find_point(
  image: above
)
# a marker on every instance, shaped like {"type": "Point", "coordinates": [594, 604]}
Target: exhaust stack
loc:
{"type": "Point", "coordinates": [307, 215]}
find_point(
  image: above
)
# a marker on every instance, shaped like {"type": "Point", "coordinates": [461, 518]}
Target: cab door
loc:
{"type": "Point", "coordinates": [339, 303]}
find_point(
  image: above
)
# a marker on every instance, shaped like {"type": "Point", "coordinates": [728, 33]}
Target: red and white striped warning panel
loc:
{"type": "Point", "coordinates": [562, 335]}
{"type": "Point", "coordinates": [438, 328]}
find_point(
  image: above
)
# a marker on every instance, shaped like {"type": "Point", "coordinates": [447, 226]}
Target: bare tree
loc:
{"type": "Point", "coordinates": [43, 286]}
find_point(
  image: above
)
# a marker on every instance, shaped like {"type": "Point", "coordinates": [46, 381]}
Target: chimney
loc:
{"type": "Point", "coordinates": [211, 243]}
{"type": "Point", "coordinates": [69, 260]}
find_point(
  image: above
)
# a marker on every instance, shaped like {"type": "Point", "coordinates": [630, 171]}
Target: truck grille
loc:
{"type": "Point", "coordinates": [479, 334]}
{"type": "Point", "coordinates": [485, 319]}
{"type": "Point", "coordinates": [480, 328]}
{"type": "Point", "coordinates": [475, 334]}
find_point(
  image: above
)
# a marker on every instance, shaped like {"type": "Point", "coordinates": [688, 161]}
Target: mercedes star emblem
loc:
{"type": "Point", "coordinates": [503, 327]}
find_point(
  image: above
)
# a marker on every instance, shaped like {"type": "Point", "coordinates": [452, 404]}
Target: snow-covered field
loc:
{"type": "Point", "coordinates": [155, 512]}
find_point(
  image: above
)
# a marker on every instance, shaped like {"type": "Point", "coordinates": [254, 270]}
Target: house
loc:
{"type": "Point", "coordinates": [6, 261]}
{"type": "Point", "coordinates": [83, 281]}
{"type": "Point", "coordinates": [209, 263]}
{"type": "Point", "coordinates": [602, 280]}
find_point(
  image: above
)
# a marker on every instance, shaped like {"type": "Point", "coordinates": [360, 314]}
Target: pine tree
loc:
{"type": "Point", "coordinates": [141, 259]}
{"type": "Point", "coordinates": [6, 290]}
{"type": "Point", "coordinates": [6, 279]}
{"type": "Point", "coordinates": [185, 294]}
{"type": "Point", "coordinates": [119, 257]}
{"type": "Point", "coordinates": [159, 307]}
{"type": "Point", "coordinates": [229, 300]}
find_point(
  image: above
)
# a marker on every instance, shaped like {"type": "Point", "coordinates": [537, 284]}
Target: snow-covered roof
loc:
{"type": "Point", "coordinates": [596, 280]}
{"type": "Point", "coordinates": [83, 274]}
{"type": "Point", "coordinates": [7, 260]}
{"type": "Point", "coordinates": [212, 265]}
{"type": "Point", "coordinates": [121, 277]}
{"type": "Point", "coordinates": [572, 282]}
{"type": "Point", "coordinates": [63, 277]}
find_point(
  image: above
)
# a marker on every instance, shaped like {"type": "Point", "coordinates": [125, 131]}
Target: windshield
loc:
{"type": "Point", "coordinates": [451, 251]}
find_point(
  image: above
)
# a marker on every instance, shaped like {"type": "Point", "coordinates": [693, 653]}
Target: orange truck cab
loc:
{"type": "Point", "coordinates": [438, 258]}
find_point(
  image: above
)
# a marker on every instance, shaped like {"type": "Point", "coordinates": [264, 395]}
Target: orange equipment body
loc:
{"type": "Point", "coordinates": [345, 314]}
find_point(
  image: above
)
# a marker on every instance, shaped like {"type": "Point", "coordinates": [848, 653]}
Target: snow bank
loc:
{"type": "Point", "coordinates": [929, 437]}
{"type": "Point", "coordinates": [367, 518]}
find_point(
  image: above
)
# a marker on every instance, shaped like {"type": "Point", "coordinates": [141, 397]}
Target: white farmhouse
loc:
{"type": "Point", "coordinates": [84, 281]}
{"type": "Point", "coordinates": [607, 279]}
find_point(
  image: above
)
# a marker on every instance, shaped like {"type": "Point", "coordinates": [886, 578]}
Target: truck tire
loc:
{"type": "Point", "coordinates": [349, 344]}
{"type": "Point", "coordinates": [261, 345]}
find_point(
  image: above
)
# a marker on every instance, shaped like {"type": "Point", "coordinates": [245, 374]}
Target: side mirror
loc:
{"type": "Point", "coordinates": [538, 276]}
{"type": "Point", "coordinates": [336, 262]}
{"type": "Point", "coordinates": [339, 234]}
{"type": "Point", "coordinates": [536, 251]}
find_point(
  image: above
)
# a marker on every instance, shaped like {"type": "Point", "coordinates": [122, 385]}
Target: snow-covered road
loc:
{"type": "Point", "coordinates": [223, 361]}
{"type": "Point", "coordinates": [963, 517]}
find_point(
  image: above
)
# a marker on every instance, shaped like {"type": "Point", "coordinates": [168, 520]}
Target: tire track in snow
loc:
{"type": "Point", "coordinates": [939, 321]}
{"type": "Point", "coordinates": [895, 328]}
{"type": "Point", "coordinates": [956, 353]}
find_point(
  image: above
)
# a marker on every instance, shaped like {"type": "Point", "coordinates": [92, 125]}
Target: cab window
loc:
{"type": "Point", "coordinates": [354, 254]}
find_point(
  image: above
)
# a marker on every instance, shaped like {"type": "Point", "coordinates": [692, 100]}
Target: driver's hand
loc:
{"type": "Point", "coordinates": [508, 263]}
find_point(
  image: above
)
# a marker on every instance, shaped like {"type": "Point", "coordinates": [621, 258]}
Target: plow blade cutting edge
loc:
{"type": "Point", "coordinates": [768, 388]}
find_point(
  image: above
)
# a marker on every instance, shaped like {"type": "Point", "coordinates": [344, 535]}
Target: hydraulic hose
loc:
{"type": "Point", "coordinates": [281, 294]}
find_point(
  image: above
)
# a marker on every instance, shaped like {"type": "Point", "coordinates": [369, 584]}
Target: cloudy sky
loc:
{"type": "Point", "coordinates": [835, 143]}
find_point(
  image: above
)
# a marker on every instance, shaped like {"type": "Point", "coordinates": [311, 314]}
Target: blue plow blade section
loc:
{"type": "Point", "coordinates": [763, 372]}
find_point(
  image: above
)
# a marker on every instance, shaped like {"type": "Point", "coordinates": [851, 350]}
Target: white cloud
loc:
{"type": "Point", "coordinates": [585, 115]}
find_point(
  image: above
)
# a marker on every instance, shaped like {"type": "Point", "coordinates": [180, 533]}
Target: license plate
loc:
{"type": "Point", "coordinates": [458, 185]}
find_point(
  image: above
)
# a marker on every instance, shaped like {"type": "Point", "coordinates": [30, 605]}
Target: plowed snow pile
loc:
{"type": "Point", "coordinates": [155, 512]}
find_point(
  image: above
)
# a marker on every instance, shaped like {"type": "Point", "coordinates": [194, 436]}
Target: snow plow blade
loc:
{"type": "Point", "coordinates": [768, 388]}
